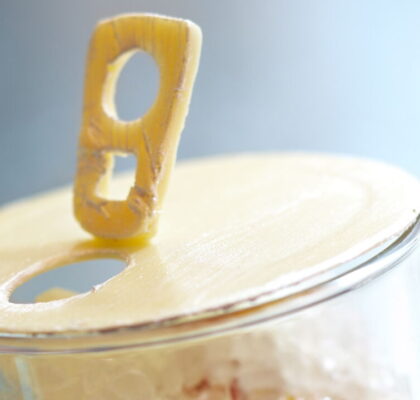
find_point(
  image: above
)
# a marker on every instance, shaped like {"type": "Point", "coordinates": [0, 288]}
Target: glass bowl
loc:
{"type": "Point", "coordinates": [350, 334]}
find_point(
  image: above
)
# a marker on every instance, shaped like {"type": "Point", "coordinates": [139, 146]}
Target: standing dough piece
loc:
{"type": "Point", "coordinates": [175, 45]}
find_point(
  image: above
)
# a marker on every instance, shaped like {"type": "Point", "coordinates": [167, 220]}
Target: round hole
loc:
{"type": "Point", "coordinates": [136, 86]}
{"type": "Point", "coordinates": [67, 280]}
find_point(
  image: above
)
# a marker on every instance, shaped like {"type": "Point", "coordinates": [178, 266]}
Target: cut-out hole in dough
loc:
{"type": "Point", "coordinates": [131, 86]}
{"type": "Point", "coordinates": [116, 189]}
{"type": "Point", "coordinates": [67, 280]}
{"type": "Point", "coordinates": [122, 162]}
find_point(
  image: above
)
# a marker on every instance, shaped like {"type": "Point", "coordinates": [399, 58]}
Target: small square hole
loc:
{"type": "Point", "coordinates": [117, 189]}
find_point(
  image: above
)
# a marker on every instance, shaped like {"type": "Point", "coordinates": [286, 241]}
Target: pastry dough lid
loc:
{"type": "Point", "coordinates": [233, 230]}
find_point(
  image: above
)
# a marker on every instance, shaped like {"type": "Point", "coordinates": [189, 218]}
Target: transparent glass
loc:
{"type": "Point", "coordinates": [351, 337]}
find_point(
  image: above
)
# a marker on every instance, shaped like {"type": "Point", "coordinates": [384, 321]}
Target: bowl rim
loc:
{"type": "Point", "coordinates": [302, 295]}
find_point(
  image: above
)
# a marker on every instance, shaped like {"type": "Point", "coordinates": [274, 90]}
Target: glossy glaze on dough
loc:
{"type": "Point", "coordinates": [233, 227]}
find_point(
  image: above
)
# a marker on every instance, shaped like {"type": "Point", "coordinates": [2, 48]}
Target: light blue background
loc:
{"type": "Point", "coordinates": [328, 75]}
